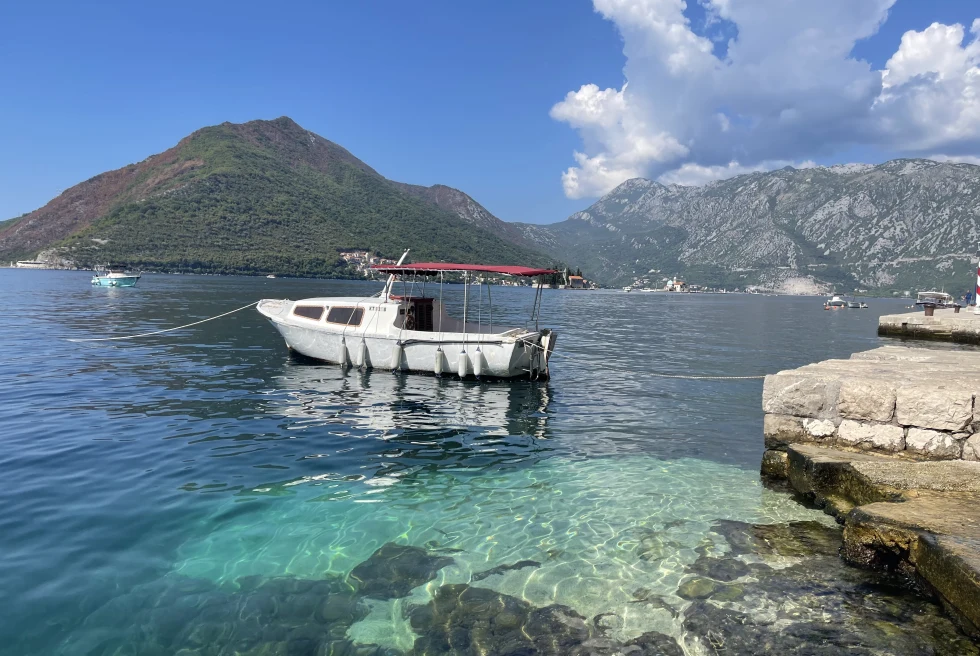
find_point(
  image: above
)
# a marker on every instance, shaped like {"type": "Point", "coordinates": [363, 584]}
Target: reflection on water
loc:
{"type": "Point", "coordinates": [421, 418]}
{"type": "Point", "coordinates": [205, 491]}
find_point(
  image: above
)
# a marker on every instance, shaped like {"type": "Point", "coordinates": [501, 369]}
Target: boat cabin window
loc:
{"type": "Point", "coordinates": [348, 316]}
{"type": "Point", "coordinates": [309, 311]}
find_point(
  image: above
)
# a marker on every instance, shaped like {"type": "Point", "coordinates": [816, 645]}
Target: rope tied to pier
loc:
{"type": "Point", "coordinates": [527, 344]}
{"type": "Point", "coordinates": [166, 330]}
{"type": "Point", "coordinates": [658, 375]}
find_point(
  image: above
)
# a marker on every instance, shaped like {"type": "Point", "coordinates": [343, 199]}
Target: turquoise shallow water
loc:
{"type": "Point", "coordinates": [148, 480]}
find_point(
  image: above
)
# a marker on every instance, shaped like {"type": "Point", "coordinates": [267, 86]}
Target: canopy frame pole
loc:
{"type": "Point", "coordinates": [391, 277]}
{"type": "Point", "coordinates": [466, 290]}
{"type": "Point", "coordinates": [490, 304]}
{"type": "Point", "coordinates": [480, 312]}
{"type": "Point", "coordinates": [536, 310]}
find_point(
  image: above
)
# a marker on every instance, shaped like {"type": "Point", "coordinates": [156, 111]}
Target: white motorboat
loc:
{"type": "Point", "coordinates": [115, 275]}
{"type": "Point", "coordinates": [412, 331]}
{"type": "Point", "coordinates": [935, 299]}
{"type": "Point", "coordinates": [835, 303]}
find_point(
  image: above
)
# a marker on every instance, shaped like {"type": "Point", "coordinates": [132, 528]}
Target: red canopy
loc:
{"type": "Point", "coordinates": [432, 268]}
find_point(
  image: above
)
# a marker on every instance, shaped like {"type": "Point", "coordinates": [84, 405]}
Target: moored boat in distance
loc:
{"type": "Point", "coordinates": [935, 299]}
{"type": "Point", "coordinates": [114, 275]}
{"type": "Point", "coordinates": [412, 331]}
{"type": "Point", "coordinates": [835, 303]}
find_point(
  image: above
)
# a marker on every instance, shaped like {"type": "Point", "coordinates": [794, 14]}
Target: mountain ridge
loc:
{"type": "Point", "coordinates": [244, 197]}
{"type": "Point", "coordinates": [902, 224]}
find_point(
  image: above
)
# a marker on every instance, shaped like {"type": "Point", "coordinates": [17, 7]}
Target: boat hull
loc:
{"type": "Point", "coordinates": [498, 358]}
{"type": "Point", "coordinates": [120, 281]}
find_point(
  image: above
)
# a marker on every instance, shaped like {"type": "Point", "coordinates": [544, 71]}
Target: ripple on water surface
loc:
{"type": "Point", "coordinates": [202, 491]}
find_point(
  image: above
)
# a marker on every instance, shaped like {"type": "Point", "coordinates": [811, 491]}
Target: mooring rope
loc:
{"type": "Point", "coordinates": [526, 343]}
{"type": "Point", "coordinates": [166, 330]}
{"type": "Point", "coordinates": [657, 375]}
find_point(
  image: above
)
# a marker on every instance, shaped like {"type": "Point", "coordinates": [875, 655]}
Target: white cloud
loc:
{"type": "Point", "coordinates": [787, 90]}
{"type": "Point", "coordinates": [691, 174]}
{"type": "Point", "coordinates": [958, 159]}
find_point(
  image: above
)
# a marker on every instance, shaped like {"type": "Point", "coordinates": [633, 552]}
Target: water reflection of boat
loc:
{"type": "Point", "coordinates": [407, 408]}
{"type": "Point", "coordinates": [412, 331]}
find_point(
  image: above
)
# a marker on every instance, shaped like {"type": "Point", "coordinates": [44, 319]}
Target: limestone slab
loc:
{"type": "Point", "coordinates": [866, 399]}
{"type": "Point", "coordinates": [801, 395]}
{"type": "Point", "coordinates": [935, 444]}
{"type": "Point", "coordinates": [939, 408]}
{"type": "Point", "coordinates": [887, 437]}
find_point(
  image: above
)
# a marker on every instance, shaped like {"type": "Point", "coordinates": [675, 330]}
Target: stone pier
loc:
{"type": "Point", "coordinates": [944, 325]}
{"type": "Point", "coordinates": [920, 403]}
{"type": "Point", "coordinates": [888, 441]}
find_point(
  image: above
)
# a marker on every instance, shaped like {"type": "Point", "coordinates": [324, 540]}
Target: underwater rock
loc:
{"type": "Point", "coordinates": [698, 588]}
{"type": "Point", "coordinates": [793, 539]}
{"type": "Point", "coordinates": [816, 606]}
{"type": "Point", "coordinates": [500, 569]}
{"type": "Point", "coordinates": [395, 570]}
{"type": "Point", "coordinates": [467, 621]}
{"type": "Point", "coordinates": [719, 569]}
{"type": "Point", "coordinates": [282, 616]}
{"type": "Point", "coordinates": [653, 644]}
{"type": "Point", "coordinates": [718, 630]}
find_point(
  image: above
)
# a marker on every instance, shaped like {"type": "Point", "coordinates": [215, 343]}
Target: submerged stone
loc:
{"type": "Point", "coordinates": [467, 621]}
{"type": "Point", "coordinates": [500, 569]}
{"type": "Point", "coordinates": [395, 570]}
{"type": "Point", "coordinates": [797, 539]}
{"type": "Point", "coordinates": [698, 588]}
{"type": "Point", "coordinates": [720, 569]}
{"type": "Point", "coordinates": [282, 616]}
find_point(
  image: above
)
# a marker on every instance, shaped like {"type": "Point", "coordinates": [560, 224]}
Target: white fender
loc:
{"type": "Point", "coordinates": [437, 368]}
{"type": "Point", "coordinates": [362, 354]}
{"type": "Point", "coordinates": [477, 362]}
{"type": "Point", "coordinates": [463, 364]}
{"type": "Point", "coordinates": [396, 356]}
{"type": "Point", "coordinates": [344, 356]}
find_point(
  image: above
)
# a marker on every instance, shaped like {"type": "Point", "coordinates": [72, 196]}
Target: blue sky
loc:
{"type": "Point", "coordinates": [458, 93]}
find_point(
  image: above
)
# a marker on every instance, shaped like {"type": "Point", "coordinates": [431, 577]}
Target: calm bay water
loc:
{"type": "Point", "coordinates": [205, 491]}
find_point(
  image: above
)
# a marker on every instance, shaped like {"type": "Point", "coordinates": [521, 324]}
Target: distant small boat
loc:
{"type": "Point", "coordinates": [627, 288]}
{"type": "Point", "coordinates": [864, 306]}
{"type": "Point", "coordinates": [853, 305]}
{"type": "Point", "coordinates": [936, 299]}
{"type": "Point", "coordinates": [114, 275]}
{"type": "Point", "coordinates": [271, 275]}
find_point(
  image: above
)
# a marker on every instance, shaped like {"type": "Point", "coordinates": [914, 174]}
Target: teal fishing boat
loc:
{"type": "Point", "coordinates": [114, 275]}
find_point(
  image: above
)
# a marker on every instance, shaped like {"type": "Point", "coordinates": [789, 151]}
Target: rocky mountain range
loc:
{"type": "Point", "coordinates": [904, 224]}
{"type": "Point", "coordinates": [270, 196]}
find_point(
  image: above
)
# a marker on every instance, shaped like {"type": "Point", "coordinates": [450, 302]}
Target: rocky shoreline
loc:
{"type": "Point", "coordinates": [889, 442]}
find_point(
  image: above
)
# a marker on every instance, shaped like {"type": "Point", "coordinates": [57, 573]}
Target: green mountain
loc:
{"type": "Point", "coordinates": [257, 197]}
